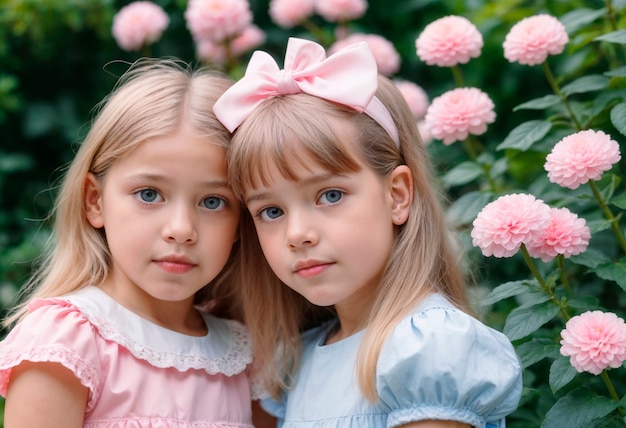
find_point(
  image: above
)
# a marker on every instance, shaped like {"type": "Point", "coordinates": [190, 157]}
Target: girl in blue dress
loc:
{"type": "Point", "coordinates": [351, 249]}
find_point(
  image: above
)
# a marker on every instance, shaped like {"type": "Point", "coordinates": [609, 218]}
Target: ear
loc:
{"type": "Point", "coordinates": [401, 182]}
{"type": "Point", "coordinates": [93, 201]}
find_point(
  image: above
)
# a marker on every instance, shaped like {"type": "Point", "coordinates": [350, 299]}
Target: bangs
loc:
{"type": "Point", "coordinates": [289, 137]}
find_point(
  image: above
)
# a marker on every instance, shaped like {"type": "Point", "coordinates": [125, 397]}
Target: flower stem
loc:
{"type": "Point", "coordinates": [555, 88]}
{"type": "Point", "coordinates": [608, 214]}
{"type": "Point", "coordinates": [458, 76]}
{"type": "Point", "coordinates": [609, 385]}
{"type": "Point", "coordinates": [561, 263]}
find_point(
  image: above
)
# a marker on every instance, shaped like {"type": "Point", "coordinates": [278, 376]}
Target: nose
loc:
{"type": "Point", "coordinates": [180, 225]}
{"type": "Point", "coordinates": [301, 231]}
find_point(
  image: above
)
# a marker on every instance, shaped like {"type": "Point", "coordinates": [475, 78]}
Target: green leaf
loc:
{"type": "Point", "coordinates": [618, 117]}
{"type": "Point", "coordinates": [594, 82]}
{"type": "Point", "coordinates": [465, 209]}
{"type": "Point", "coordinates": [463, 173]}
{"type": "Point", "coordinates": [590, 258]}
{"type": "Point", "coordinates": [539, 103]}
{"type": "Point", "coordinates": [535, 350]}
{"type": "Point", "coordinates": [618, 36]}
{"type": "Point", "coordinates": [598, 225]}
{"type": "Point", "coordinates": [525, 320]}
{"type": "Point", "coordinates": [502, 291]}
{"type": "Point", "coordinates": [617, 72]}
{"type": "Point", "coordinates": [613, 272]}
{"type": "Point", "coordinates": [578, 18]}
{"type": "Point", "coordinates": [578, 409]}
{"type": "Point", "coordinates": [619, 201]}
{"type": "Point", "coordinates": [523, 136]}
{"type": "Point", "coordinates": [561, 373]}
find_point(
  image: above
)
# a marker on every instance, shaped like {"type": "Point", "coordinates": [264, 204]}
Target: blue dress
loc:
{"type": "Point", "coordinates": [438, 363]}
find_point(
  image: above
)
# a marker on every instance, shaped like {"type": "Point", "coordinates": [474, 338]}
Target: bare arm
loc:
{"type": "Point", "coordinates": [435, 424]}
{"type": "Point", "coordinates": [260, 418]}
{"type": "Point", "coordinates": [44, 395]}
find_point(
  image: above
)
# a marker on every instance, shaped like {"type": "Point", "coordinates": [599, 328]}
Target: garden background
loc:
{"type": "Point", "coordinates": [58, 59]}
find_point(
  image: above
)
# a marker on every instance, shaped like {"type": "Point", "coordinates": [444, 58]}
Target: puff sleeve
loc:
{"type": "Point", "coordinates": [442, 364]}
{"type": "Point", "coordinates": [53, 331]}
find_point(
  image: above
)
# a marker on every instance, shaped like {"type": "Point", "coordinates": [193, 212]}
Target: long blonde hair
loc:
{"type": "Point", "coordinates": [147, 102]}
{"type": "Point", "coordinates": [282, 132]}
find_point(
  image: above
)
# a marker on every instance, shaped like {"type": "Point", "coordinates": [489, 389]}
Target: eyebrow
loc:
{"type": "Point", "coordinates": [316, 179]}
{"type": "Point", "coordinates": [218, 183]}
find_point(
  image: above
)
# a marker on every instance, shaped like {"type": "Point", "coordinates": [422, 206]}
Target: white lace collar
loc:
{"type": "Point", "coordinates": [225, 349]}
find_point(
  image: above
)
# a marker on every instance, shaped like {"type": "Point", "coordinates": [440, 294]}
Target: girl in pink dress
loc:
{"type": "Point", "coordinates": [130, 319]}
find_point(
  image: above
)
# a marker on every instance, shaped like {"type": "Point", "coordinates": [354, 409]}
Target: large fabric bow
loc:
{"type": "Point", "coordinates": [348, 77]}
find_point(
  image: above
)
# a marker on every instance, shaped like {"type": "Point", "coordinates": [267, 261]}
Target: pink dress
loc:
{"type": "Point", "coordinates": [138, 373]}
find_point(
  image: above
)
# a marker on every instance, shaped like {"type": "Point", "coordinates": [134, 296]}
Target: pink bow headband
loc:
{"type": "Point", "coordinates": [348, 77]}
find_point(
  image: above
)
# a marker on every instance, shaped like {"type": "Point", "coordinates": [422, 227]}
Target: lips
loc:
{"type": "Point", "coordinates": [175, 264]}
{"type": "Point", "coordinates": [309, 268]}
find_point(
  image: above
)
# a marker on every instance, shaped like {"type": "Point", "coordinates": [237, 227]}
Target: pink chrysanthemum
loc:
{"type": "Point", "coordinates": [581, 157]}
{"type": "Point", "coordinates": [289, 13]}
{"type": "Point", "coordinates": [449, 41]}
{"type": "Point", "coordinates": [594, 341]}
{"type": "Point", "coordinates": [217, 20]}
{"type": "Point", "coordinates": [457, 113]}
{"type": "Point", "coordinates": [251, 37]}
{"type": "Point", "coordinates": [532, 39]}
{"type": "Point", "coordinates": [385, 54]}
{"type": "Point", "coordinates": [567, 234]}
{"type": "Point", "coordinates": [139, 24]}
{"type": "Point", "coordinates": [505, 224]}
{"type": "Point", "coordinates": [415, 97]}
{"type": "Point", "coordinates": [341, 10]}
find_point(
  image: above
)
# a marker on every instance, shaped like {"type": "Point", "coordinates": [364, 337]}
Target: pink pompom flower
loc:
{"type": "Point", "coordinates": [581, 157]}
{"type": "Point", "coordinates": [341, 10]}
{"type": "Point", "coordinates": [289, 13]}
{"type": "Point", "coordinates": [139, 24]}
{"type": "Point", "coordinates": [386, 56]}
{"type": "Point", "coordinates": [457, 113]}
{"type": "Point", "coordinates": [503, 225]}
{"type": "Point", "coordinates": [415, 97]}
{"type": "Point", "coordinates": [449, 41]}
{"type": "Point", "coordinates": [217, 20]}
{"type": "Point", "coordinates": [250, 38]}
{"type": "Point", "coordinates": [532, 39]}
{"type": "Point", "coordinates": [594, 341]}
{"type": "Point", "coordinates": [567, 234]}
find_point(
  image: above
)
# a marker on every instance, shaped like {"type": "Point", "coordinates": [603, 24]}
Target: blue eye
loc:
{"type": "Point", "coordinates": [213, 203]}
{"type": "Point", "coordinates": [331, 196]}
{"type": "Point", "coordinates": [148, 195]}
{"type": "Point", "coordinates": [271, 213]}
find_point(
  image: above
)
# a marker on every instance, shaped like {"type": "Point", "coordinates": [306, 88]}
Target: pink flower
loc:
{"type": "Point", "coordinates": [289, 13]}
{"type": "Point", "coordinates": [217, 20]}
{"type": "Point", "coordinates": [251, 37]}
{"type": "Point", "coordinates": [449, 41]}
{"type": "Point", "coordinates": [457, 113]}
{"type": "Point", "coordinates": [385, 54]}
{"type": "Point", "coordinates": [139, 24]}
{"type": "Point", "coordinates": [503, 225]}
{"type": "Point", "coordinates": [341, 10]}
{"type": "Point", "coordinates": [581, 157]}
{"type": "Point", "coordinates": [566, 234]}
{"type": "Point", "coordinates": [594, 341]}
{"type": "Point", "coordinates": [532, 39]}
{"type": "Point", "coordinates": [415, 97]}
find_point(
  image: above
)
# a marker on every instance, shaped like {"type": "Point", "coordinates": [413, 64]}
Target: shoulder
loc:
{"type": "Point", "coordinates": [440, 359]}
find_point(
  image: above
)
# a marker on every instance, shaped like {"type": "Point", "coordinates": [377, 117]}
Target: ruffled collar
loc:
{"type": "Point", "coordinates": [225, 349]}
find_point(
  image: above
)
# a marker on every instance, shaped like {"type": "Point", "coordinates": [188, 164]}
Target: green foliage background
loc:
{"type": "Point", "coordinates": [58, 60]}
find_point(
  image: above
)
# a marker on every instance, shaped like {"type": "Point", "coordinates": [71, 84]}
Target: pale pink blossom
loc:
{"type": "Point", "coordinates": [581, 157]}
{"type": "Point", "coordinates": [386, 56]}
{"type": "Point", "coordinates": [415, 96]}
{"type": "Point", "coordinates": [532, 39]}
{"type": "Point", "coordinates": [567, 234]}
{"type": "Point", "coordinates": [503, 225]}
{"type": "Point", "coordinates": [341, 10]}
{"type": "Point", "coordinates": [289, 13]}
{"type": "Point", "coordinates": [449, 41]}
{"type": "Point", "coordinates": [457, 113]}
{"type": "Point", "coordinates": [251, 37]}
{"type": "Point", "coordinates": [594, 341]}
{"type": "Point", "coordinates": [139, 24]}
{"type": "Point", "coordinates": [217, 20]}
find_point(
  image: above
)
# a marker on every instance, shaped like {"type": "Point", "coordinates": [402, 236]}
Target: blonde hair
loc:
{"type": "Point", "coordinates": [282, 132]}
{"type": "Point", "coordinates": [147, 102]}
